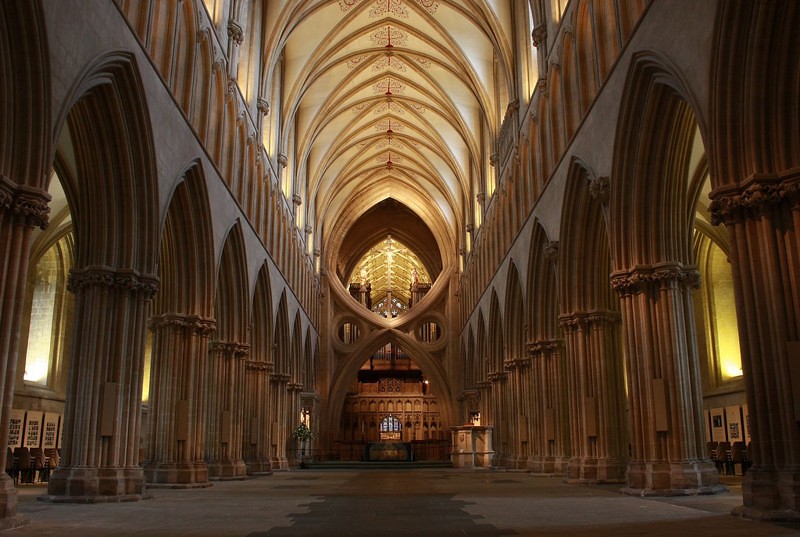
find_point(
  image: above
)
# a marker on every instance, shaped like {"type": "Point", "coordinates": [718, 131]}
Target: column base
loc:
{"type": "Point", "coordinates": [279, 464]}
{"type": "Point", "coordinates": [176, 475]}
{"type": "Point", "coordinates": [595, 471]}
{"type": "Point", "coordinates": [227, 470]}
{"type": "Point", "coordinates": [84, 484]}
{"type": "Point", "coordinates": [548, 466]}
{"type": "Point", "coordinates": [258, 467]}
{"type": "Point", "coordinates": [770, 495]}
{"type": "Point", "coordinates": [8, 504]}
{"type": "Point", "coordinates": [672, 479]}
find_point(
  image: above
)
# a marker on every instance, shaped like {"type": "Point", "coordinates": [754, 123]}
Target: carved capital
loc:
{"type": "Point", "coordinates": [283, 160]}
{"type": "Point", "coordinates": [294, 387]}
{"type": "Point", "coordinates": [585, 320]}
{"type": "Point", "coordinates": [543, 346]}
{"type": "Point", "coordinates": [235, 31]}
{"type": "Point", "coordinates": [754, 197]}
{"type": "Point", "coordinates": [279, 377]}
{"type": "Point", "coordinates": [497, 376]}
{"type": "Point", "coordinates": [27, 206]}
{"type": "Point", "coordinates": [126, 280]}
{"type": "Point", "coordinates": [550, 251]}
{"type": "Point", "coordinates": [194, 323]}
{"type": "Point", "coordinates": [230, 349]}
{"type": "Point", "coordinates": [539, 35]}
{"type": "Point", "coordinates": [472, 399]}
{"type": "Point", "coordinates": [257, 366]}
{"type": "Point", "coordinates": [231, 90]}
{"type": "Point", "coordinates": [600, 189]}
{"type": "Point", "coordinates": [662, 275]}
{"type": "Point", "coordinates": [263, 106]}
{"type": "Point", "coordinates": [470, 228]}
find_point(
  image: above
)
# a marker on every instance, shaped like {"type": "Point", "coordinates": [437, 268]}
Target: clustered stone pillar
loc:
{"type": "Point", "coordinates": [666, 401]}
{"type": "Point", "coordinates": [176, 451]}
{"type": "Point", "coordinates": [225, 410]}
{"type": "Point", "coordinates": [277, 405]}
{"type": "Point", "coordinates": [598, 424]}
{"type": "Point", "coordinates": [292, 417]}
{"type": "Point", "coordinates": [257, 423]}
{"type": "Point", "coordinates": [762, 217]}
{"type": "Point", "coordinates": [550, 435]}
{"type": "Point", "coordinates": [499, 380]}
{"type": "Point", "coordinates": [519, 383]}
{"type": "Point", "coordinates": [102, 421]}
{"type": "Point", "coordinates": [22, 209]}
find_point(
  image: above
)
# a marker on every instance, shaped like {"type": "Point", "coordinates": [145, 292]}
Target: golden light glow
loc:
{"type": "Point", "coordinates": [390, 265]}
{"type": "Point", "coordinates": [725, 326]}
{"type": "Point", "coordinates": [40, 331]}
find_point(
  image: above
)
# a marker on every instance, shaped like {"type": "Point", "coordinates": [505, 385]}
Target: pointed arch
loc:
{"type": "Point", "coordinates": [514, 315]}
{"type": "Point", "coordinates": [584, 256]}
{"type": "Point", "coordinates": [754, 112]}
{"type": "Point", "coordinates": [542, 292]}
{"type": "Point", "coordinates": [115, 180]}
{"type": "Point", "coordinates": [349, 365]}
{"type": "Point", "coordinates": [655, 136]}
{"type": "Point", "coordinates": [186, 261]}
{"type": "Point", "coordinates": [25, 112]}
{"type": "Point", "coordinates": [281, 338]}
{"type": "Point", "coordinates": [262, 335]}
{"type": "Point", "coordinates": [496, 339]}
{"type": "Point", "coordinates": [232, 301]}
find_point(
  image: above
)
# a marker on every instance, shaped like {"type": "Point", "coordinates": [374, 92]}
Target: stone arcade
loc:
{"type": "Point", "coordinates": [571, 224]}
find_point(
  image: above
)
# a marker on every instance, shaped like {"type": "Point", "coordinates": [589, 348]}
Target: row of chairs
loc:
{"type": "Point", "coordinates": [726, 456]}
{"type": "Point", "coordinates": [24, 464]}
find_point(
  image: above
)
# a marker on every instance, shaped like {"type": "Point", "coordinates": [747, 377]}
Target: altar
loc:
{"type": "Point", "coordinates": [388, 451]}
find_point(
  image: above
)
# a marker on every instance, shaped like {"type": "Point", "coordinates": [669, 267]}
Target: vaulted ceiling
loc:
{"type": "Point", "coordinates": [396, 99]}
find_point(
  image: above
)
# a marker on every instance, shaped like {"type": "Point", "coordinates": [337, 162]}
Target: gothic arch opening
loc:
{"type": "Point", "coordinates": [391, 411]}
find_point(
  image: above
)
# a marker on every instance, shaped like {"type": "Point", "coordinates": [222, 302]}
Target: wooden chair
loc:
{"type": "Point", "coordinates": [721, 456]}
{"type": "Point", "coordinates": [26, 469]}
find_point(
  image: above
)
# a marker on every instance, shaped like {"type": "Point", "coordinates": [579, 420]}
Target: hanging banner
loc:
{"type": "Point", "coordinates": [33, 429]}
{"type": "Point", "coordinates": [733, 417]}
{"type": "Point", "coordinates": [717, 425]}
{"type": "Point", "coordinates": [15, 428]}
{"type": "Point", "coordinates": [50, 439]}
{"type": "Point", "coordinates": [746, 415]}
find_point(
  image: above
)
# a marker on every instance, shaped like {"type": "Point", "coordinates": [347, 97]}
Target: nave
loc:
{"type": "Point", "coordinates": [436, 502]}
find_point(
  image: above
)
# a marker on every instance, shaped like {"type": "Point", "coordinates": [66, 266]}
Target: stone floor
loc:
{"type": "Point", "coordinates": [390, 502]}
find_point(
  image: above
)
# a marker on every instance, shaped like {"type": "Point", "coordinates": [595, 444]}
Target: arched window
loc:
{"type": "Point", "coordinates": [391, 424]}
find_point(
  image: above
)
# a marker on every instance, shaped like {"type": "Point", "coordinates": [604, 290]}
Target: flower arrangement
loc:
{"type": "Point", "coordinates": [302, 432]}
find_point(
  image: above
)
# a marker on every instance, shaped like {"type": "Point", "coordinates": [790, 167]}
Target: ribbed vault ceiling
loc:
{"type": "Point", "coordinates": [390, 99]}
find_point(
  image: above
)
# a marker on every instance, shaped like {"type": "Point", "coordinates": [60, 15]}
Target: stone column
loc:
{"type": "Point", "coordinates": [102, 416]}
{"type": "Point", "coordinates": [498, 380]}
{"type": "Point", "coordinates": [278, 396]}
{"type": "Point", "coordinates": [257, 422]}
{"type": "Point", "coordinates": [598, 424]}
{"type": "Point", "coordinates": [664, 386]}
{"type": "Point", "coordinates": [550, 403]}
{"type": "Point", "coordinates": [176, 451]}
{"type": "Point", "coordinates": [762, 217]}
{"type": "Point", "coordinates": [519, 409]}
{"type": "Point", "coordinates": [22, 209]}
{"type": "Point", "coordinates": [292, 420]}
{"type": "Point", "coordinates": [225, 410]}
{"type": "Point", "coordinates": [309, 404]}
